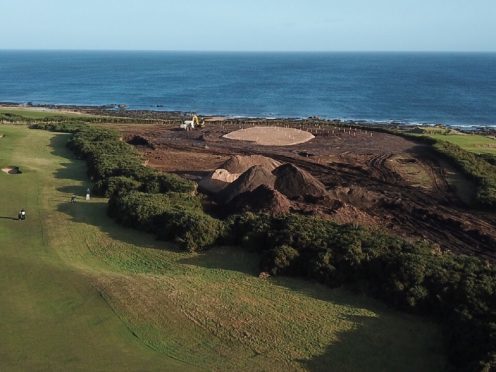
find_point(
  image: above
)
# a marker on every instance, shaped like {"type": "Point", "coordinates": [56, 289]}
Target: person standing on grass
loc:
{"type": "Point", "coordinates": [22, 215]}
{"type": "Point", "coordinates": [88, 193]}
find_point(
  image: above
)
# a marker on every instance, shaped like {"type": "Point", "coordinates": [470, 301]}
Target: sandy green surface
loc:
{"type": "Point", "coordinates": [81, 293]}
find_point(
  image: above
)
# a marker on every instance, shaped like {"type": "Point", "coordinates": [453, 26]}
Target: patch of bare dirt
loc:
{"type": "Point", "coordinates": [373, 179]}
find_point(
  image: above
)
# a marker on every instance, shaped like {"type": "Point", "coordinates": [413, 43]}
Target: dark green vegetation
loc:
{"type": "Point", "coordinates": [80, 292]}
{"type": "Point", "coordinates": [460, 291]}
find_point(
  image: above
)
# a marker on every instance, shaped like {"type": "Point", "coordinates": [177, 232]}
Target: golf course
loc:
{"type": "Point", "coordinates": [80, 292]}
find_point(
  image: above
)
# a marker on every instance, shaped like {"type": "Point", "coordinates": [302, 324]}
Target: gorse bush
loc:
{"type": "Point", "coordinates": [173, 216]}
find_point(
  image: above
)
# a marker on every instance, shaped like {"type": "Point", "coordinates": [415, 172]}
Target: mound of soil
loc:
{"type": "Point", "coordinates": [295, 183]}
{"type": "Point", "coordinates": [138, 140]}
{"type": "Point", "coordinates": [356, 196]}
{"type": "Point", "coordinates": [11, 170]}
{"type": "Point", "coordinates": [240, 164]}
{"type": "Point", "coordinates": [262, 199]}
{"type": "Point", "coordinates": [248, 181]}
{"type": "Point", "coordinates": [217, 180]}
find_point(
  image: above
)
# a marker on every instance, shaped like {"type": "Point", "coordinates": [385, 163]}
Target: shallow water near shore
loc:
{"type": "Point", "coordinates": [449, 88]}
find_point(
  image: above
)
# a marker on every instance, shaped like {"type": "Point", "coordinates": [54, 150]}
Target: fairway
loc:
{"type": "Point", "coordinates": [82, 293]}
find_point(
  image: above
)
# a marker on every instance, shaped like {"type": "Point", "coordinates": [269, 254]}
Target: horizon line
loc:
{"type": "Point", "coordinates": [236, 51]}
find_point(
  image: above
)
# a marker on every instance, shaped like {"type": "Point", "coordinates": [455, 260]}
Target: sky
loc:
{"type": "Point", "coordinates": [250, 25]}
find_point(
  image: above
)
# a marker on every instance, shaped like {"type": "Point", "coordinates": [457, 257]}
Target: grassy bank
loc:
{"type": "Point", "coordinates": [81, 292]}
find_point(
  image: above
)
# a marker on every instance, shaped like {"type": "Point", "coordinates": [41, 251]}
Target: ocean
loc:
{"type": "Point", "coordinates": [448, 88]}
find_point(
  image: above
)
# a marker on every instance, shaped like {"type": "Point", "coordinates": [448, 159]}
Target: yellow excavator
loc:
{"type": "Point", "coordinates": [194, 123]}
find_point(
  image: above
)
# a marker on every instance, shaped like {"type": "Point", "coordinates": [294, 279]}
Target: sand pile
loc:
{"type": "Point", "coordinates": [240, 164]}
{"type": "Point", "coordinates": [248, 181]}
{"type": "Point", "coordinates": [271, 136]}
{"type": "Point", "coordinates": [217, 180]}
{"type": "Point", "coordinates": [262, 199]}
{"type": "Point", "coordinates": [232, 169]}
{"type": "Point", "coordinates": [11, 170]}
{"type": "Point", "coordinates": [295, 183]}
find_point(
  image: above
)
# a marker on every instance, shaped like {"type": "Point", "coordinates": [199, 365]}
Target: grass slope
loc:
{"type": "Point", "coordinates": [33, 114]}
{"type": "Point", "coordinates": [81, 292]}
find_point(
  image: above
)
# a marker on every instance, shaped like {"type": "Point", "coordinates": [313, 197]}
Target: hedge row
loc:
{"type": "Point", "coordinates": [457, 290]}
{"type": "Point", "coordinates": [112, 162]}
{"type": "Point", "coordinates": [173, 216]}
{"type": "Point", "coordinates": [140, 197]}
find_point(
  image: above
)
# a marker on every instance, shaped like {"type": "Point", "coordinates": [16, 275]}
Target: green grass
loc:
{"type": "Point", "coordinates": [33, 114]}
{"type": "Point", "coordinates": [82, 293]}
{"type": "Point", "coordinates": [471, 142]}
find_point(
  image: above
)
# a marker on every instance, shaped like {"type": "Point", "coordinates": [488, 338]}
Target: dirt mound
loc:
{"type": "Point", "coordinates": [11, 170]}
{"type": "Point", "coordinates": [217, 180]}
{"type": "Point", "coordinates": [356, 196]}
{"type": "Point", "coordinates": [240, 164]}
{"type": "Point", "coordinates": [348, 214]}
{"type": "Point", "coordinates": [262, 199]}
{"type": "Point", "coordinates": [296, 183]}
{"type": "Point", "coordinates": [271, 136]}
{"type": "Point", "coordinates": [248, 181]}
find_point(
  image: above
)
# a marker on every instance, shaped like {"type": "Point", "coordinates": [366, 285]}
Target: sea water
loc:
{"type": "Point", "coordinates": [449, 88]}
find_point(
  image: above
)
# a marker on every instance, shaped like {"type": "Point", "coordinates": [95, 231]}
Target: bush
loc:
{"type": "Point", "coordinates": [192, 230]}
{"type": "Point", "coordinates": [281, 260]}
{"type": "Point", "coordinates": [173, 216]}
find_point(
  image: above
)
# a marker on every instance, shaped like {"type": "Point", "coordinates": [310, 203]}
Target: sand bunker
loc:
{"type": "Point", "coordinates": [11, 170]}
{"type": "Point", "coordinates": [271, 136]}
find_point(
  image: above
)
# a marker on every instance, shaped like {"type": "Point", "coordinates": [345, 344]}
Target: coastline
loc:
{"type": "Point", "coordinates": [159, 113]}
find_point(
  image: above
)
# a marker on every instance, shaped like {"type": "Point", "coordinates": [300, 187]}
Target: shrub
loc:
{"type": "Point", "coordinates": [281, 260]}
{"type": "Point", "coordinates": [192, 230]}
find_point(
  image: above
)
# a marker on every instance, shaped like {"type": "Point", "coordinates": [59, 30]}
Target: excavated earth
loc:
{"type": "Point", "coordinates": [348, 175]}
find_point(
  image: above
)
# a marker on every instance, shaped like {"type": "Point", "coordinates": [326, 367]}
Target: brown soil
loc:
{"type": "Point", "coordinates": [296, 183]}
{"type": "Point", "coordinates": [248, 181]}
{"type": "Point", "coordinates": [240, 164]}
{"type": "Point", "coordinates": [262, 199]}
{"type": "Point", "coordinates": [372, 178]}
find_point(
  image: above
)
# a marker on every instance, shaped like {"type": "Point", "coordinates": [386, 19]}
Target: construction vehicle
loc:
{"type": "Point", "coordinates": [193, 123]}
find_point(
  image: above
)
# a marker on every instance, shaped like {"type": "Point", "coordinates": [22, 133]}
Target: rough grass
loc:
{"type": "Point", "coordinates": [81, 292]}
